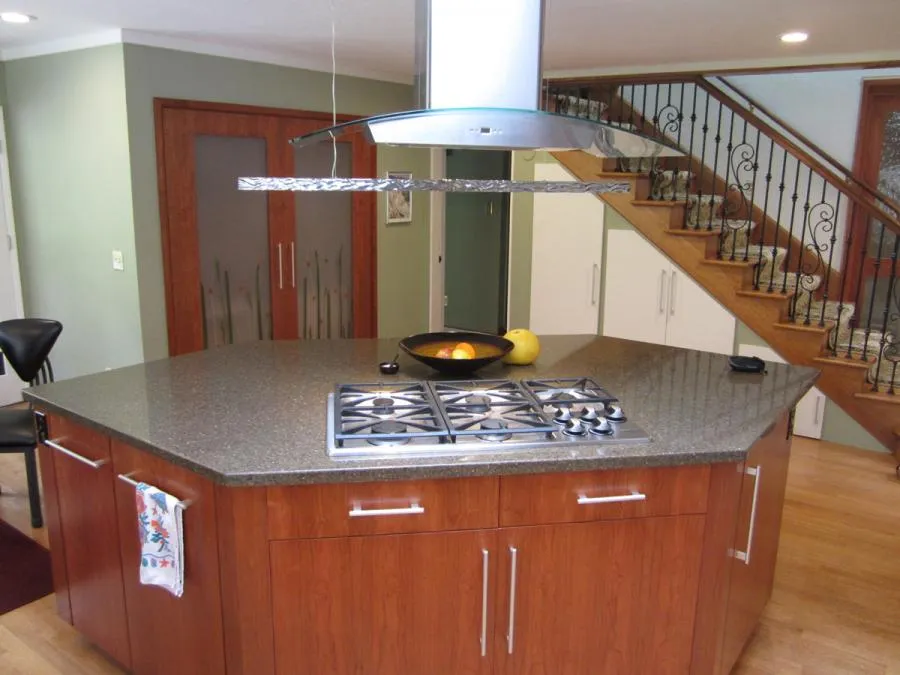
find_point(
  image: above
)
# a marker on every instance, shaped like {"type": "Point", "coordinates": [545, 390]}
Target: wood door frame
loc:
{"type": "Point", "coordinates": [866, 165]}
{"type": "Point", "coordinates": [364, 206]}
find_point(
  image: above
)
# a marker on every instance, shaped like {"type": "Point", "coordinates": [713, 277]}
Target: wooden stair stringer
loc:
{"type": "Point", "coordinates": [798, 345]}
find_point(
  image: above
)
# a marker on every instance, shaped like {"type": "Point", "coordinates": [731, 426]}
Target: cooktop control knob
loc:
{"type": "Point", "coordinates": [574, 427]}
{"type": "Point", "coordinates": [614, 413]}
{"type": "Point", "coordinates": [562, 415]}
{"type": "Point", "coordinates": [588, 413]}
{"type": "Point", "coordinates": [602, 427]}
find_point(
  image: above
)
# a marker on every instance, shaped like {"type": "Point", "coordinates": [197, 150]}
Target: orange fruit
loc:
{"type": "Point", "coordinates": [467, 348]}
{"type": "Point", "coordinates": [461, 354]}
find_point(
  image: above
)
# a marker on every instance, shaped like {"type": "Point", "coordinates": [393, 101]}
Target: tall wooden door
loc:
{"type": "Point", "coordinates": [602, 597]}
{"type": "Point", "coordinates": [231, 256]}
{"type": "Point", "coordinates": [384, 605]}
{"type": "Point", "coordinates": [872, 267]}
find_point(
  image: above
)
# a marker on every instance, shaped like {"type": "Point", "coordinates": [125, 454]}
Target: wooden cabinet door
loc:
{"type": "Point", "coordinates": [168, 634]}
{"type": "Point", "coordinates": [756, 545]}
{"type": "Point", "coordinates": [598, 598]}
{"type": "Point", "coordinates": [87, 518]}
{"type": "Point", "coordinates": [384, 605]}
{"type": "Point", "coordinates": [636, 289]}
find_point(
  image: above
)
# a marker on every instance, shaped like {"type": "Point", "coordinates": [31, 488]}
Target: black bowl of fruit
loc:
{"type": "Point", "coordinates": [456, 352]}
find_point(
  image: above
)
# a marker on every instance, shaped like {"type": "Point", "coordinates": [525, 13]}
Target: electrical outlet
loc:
{"type": "Point", "coordinates": [118, 261]}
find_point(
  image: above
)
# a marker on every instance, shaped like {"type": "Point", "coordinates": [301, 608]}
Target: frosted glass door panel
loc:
{"type": "Point", "coordinates": [233, 234]}
{"type": "Point", "coordinates": [323, 261]}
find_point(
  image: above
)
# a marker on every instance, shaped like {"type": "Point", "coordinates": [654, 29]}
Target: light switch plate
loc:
{"type": "Point", "coordinates": [118, 261]}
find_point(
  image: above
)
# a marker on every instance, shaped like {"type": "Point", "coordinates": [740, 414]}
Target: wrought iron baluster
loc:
{"type": "Point", "coordinates": [859, 278]}
{"type": "Point", "coordinates": [803, 245]}
{"type": "Point", "coordinates": [631, 107]}
{"type": "Point", "coordinates": [699, 202]}
{"type": "Point", "coordinates": [609, 101]}
{"type": "Point", "coordinates": [644, 107]}
{"type": "Point", "coordinates": [829, 267]}
{"type": "Point", "coordinates": [715, 169]}
{"type": "Point", "coordinates": [787, 259]}
{"type": "Point", "coordinates": [723, 228]}
{"type": "Point", "coordinates": [845, 269]}
{"type": "Point", "coordinates": [765, 212]}
{"type": "Point", "coordinates": [750, 202]}
{"type": "Point", "coordinates": [690, 152]}
{"type": "Point", "coordinates": [680, 113]}
{"type": "Point", "coordinates": [781, 188]}
{"type": "Point", "coordinates": [885, 322]}
{"type": "Point", "coordinates": [877, 267]}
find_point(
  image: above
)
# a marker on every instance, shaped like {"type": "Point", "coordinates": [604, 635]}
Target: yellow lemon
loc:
{"type": "Point", "coordinates": [526, 347]}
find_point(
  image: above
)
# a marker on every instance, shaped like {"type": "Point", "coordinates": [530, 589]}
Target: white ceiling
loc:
{"type": "Point", "coordinates": [375, 37]}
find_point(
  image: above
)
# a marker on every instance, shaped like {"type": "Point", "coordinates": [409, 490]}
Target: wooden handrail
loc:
{"type": "Point", "coordinates": [860, 197]}
{"type": "Point", "coordinates": [753, 103]}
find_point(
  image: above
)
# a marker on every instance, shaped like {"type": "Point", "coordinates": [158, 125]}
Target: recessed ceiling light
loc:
{"type": "Point", "coordinates": [795, 36]}
{"type": "Point", "coordinates": [16, 17]}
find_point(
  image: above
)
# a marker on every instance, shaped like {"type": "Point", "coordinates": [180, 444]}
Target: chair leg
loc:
{"type": "Point", "coordinates": [34, 493]}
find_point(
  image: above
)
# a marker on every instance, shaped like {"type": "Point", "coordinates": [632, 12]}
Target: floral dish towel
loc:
{"type": "Point", "coordinates": [160, 531]}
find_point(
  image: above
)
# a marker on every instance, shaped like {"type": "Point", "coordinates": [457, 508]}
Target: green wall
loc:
{"type": "Point", "coordinates": [151, 72]}
{"type": "Point", "coordinates": [521, 228]}
{"type": "Point", "coordinates": [68, 151]}
{"type": "Point", "coordinates": [403, 251]}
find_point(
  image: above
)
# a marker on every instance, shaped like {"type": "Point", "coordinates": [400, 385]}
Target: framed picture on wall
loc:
{"type": "Point", "coordinates": [399, 203]}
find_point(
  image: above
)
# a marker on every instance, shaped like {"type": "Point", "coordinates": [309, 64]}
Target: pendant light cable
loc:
{"type": "Point", "coordinates": [333, 98]}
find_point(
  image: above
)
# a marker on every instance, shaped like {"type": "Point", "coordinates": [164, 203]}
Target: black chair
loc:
{"type": "Point", "coordinates": [26, 344]}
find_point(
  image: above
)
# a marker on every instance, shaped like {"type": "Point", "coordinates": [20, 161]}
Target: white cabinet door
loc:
{"type": "Point", "coordinates": [695, 319]}
{"type": "Point", "coordinates": [809, 414]}
{"type": "Point", "coordinates": [567, 248]}
{"type": "Point", "coordinates": [636, 289]}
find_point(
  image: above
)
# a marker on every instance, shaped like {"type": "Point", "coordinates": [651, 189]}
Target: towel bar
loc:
{"type": "Point", "coordinates": [126, 478]}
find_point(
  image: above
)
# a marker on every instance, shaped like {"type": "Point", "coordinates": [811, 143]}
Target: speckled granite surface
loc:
{"type": "Point", "coordinates": [255, 414]}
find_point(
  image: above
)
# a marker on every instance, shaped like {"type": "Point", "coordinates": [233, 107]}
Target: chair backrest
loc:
{"type": "Point", "coordinates": [26, 344]}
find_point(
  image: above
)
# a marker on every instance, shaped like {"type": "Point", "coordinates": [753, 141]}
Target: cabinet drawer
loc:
{"type": "Point", "coordinates": [352, 509]}
{"type": "Point", "coordinates": [603, 495]}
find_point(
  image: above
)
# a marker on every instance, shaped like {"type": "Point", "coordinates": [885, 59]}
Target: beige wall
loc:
{"type": "Point", "coordinates": [163, 73]}
{"type": "Point", "coordinates": [71, 184]}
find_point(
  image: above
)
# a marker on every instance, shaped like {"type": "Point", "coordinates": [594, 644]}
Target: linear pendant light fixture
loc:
{"type": "Point", "coordinates": [478, 86]}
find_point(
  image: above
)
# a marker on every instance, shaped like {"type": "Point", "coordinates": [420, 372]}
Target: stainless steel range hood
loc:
{"type": "Point", "coordinates": [478, 85]}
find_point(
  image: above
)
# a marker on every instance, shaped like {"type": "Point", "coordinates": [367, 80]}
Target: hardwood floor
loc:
{"type": "Point", "coordinates": [835, 609]}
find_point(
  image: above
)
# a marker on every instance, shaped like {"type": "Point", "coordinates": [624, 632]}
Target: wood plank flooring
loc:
{"type": "Point", "coordinates": [835, 609]}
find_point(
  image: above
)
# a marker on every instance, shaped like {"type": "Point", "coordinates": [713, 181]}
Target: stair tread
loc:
{"type": "Point", "coordinates": [765, 295]}
{"type": "Point", "coordinates": [690, 232]}
{"type": "Point", "coordinates": [804, 329]}
{"type": "Point", "coordinates": [879, 396]}
{"type": "Point", "coordinates": [625, 175]}
{"type": "Point", "coordinates": [657, 202]}
{"type": "Point", "coordinates": [741, 264]}
{"type": "Point", "coordinates": [844, 362]}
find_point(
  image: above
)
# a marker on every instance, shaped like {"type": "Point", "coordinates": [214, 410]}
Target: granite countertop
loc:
{"type": "Point", "coordinates": [254, 414]}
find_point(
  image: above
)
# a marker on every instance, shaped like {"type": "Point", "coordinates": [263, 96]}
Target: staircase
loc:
{"type": "Point", "coordinates": [776, 230]}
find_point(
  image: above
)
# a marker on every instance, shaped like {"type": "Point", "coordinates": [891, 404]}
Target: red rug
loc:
{"type": "Point", "coordinates": [25, 572]}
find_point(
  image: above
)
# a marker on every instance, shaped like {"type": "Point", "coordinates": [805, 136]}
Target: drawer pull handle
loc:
{"type": "Point", "coordinates": [94, 464]}
{"type": "Point", "coordinates": [485, 569]}
{"type": "Point", "coordinates": [744, 556]}
{"type": "Point", "coordinates": [613, 499]}
{"type": "Point", "coordinates": [413, 509]}
{"type": "Point", "coordinates": [127, 478]}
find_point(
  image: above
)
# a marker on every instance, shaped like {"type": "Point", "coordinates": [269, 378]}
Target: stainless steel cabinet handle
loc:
{"type": "Point", "coordinates": [820, 403]}
{"type": "Point", "coordinates": [412, 510]}
{"type": "Point", "coordinates": [485, 569]}
{"type": "Point", "coordinates": [280, 270]}
{"type": "Point", "coordinates": [127, 478]}
{"type": "Point", "coordinates": [511, 629]}
{"type": "Point", "coordinates": [94, 464]}
{"type": "Point", "coordinates": [662, 291]}
{"type": "Point", "coordinates": [293, 268]}
{"type": "Point", "coordinates": [595, 286]}
{"type": "Point", "coordinates": [756, 472]}
{"type": "Point", "coordinates": [672, 296]}
{"type": "Point", "coordinates": [633, 497]}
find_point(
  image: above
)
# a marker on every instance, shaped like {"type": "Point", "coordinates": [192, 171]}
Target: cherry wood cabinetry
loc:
{"type": "Point", "coordinates": [605, 597]}
{"type": "Point", "coordinates": [82, 473]}
{"type": "Point", "coordinates": [415, 603]}
{"type": "Point", "coordinates": [188, 630]}
{"type": "Point", "coordinates": [756, 539]}
{"type": "Point", "coordinates": [660, 570]}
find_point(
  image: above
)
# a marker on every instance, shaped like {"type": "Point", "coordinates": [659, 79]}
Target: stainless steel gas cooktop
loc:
{"type": "Point", "coordinates": [478, 416]}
